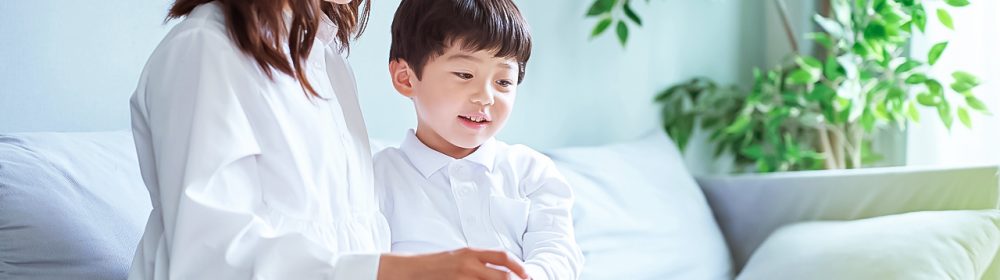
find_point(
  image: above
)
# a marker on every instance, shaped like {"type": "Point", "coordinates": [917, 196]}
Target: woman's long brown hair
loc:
{"type": "Point", "coordinates": [258, 27]}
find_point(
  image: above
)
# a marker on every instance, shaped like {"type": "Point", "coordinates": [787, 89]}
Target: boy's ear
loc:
{"type": "Point", "coordinates": [402, 77]}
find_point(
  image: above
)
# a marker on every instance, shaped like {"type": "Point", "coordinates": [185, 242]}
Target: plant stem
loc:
{"type": "Point", "coordinates": [826, 147]}
{"type": "Point", "coordinates": [858, 143]}
{"type": "Point", "coordinates": [788, 27]}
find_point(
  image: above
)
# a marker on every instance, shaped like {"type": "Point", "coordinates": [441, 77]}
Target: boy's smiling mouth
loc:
{"type": "Point", "coordinates": [476, 120]}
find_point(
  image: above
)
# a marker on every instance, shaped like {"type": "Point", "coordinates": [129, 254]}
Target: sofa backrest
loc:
{"type": "Point", "coordinates": [750, 207]}
{"type": "Point", "coordinates": [72, 205]}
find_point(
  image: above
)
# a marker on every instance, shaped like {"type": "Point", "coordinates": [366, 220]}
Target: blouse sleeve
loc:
{"type": "Point", "coordinates": [203, 168]}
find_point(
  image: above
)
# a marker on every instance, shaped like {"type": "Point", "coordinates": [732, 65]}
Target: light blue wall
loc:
{"type": "Point", "coordinates": [71, 65]}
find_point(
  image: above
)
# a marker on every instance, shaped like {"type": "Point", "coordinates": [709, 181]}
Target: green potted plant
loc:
{"type": "Point", "coordinates": [819, 111]}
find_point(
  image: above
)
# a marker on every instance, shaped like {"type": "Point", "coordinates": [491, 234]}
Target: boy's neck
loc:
{"type": "Point", "coordinates": [436, 142]}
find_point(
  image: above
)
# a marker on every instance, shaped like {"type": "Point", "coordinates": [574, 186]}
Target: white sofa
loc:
{"type": "Point", "coordinates": [72, 206]}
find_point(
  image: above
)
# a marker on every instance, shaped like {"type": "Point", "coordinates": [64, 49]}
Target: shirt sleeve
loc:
{"type": "Point", "coordinates": [203, 172]}
{"type": "Point", "coordinates": [550, 249]}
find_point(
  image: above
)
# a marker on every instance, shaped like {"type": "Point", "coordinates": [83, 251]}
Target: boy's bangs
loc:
{"type": "Point", "coordinates": [503, 40]}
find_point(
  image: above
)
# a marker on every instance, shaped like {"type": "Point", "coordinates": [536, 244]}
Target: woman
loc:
{"type": "Point", "coordinates": [255, 154]}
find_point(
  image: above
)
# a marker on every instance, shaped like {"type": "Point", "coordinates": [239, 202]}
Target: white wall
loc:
{"type": "Point", "coordinates": [71, 65]}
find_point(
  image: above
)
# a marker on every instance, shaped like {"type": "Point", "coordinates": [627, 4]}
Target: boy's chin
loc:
{"type": "Point", "coordinates": [467, 141]}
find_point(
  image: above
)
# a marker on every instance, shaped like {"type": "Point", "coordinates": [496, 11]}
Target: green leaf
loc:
{"type": "Point", "coordinates": [907, 66]}
{"type": "Point", "coordinates": [927, 99]}
{"type": "Point", "coordinates": [799, 77]}
{"type": "Point", "coordinates": [935, 52]}
{"type": "Point", "coordinates": [935, 87]}
{"type": "Point", "coordinates": [960, 86]}
{"type": "Point", "coordinates": [821, 38]}
{"type": "Point", "coordinates": [875, 31]}
{"type": "Point", "coordinates": [911, 111]}
{"type": "Point", "coordinates": [601, 7]}
{"type": "Point", "coordinates": [920, 17]}
{"type": "Point", "coordinates": [976, 104]}
{"type": "Point", "coordinates": [831, 69]}
{"type": "Point", "coordinates": [963, 116]}
{"type": "Point", "coordinates": [809, 63]}
{"type": "Point", "coordinates": [683, 130]}
{"type": "Point", "coordinates": [631, 13]}
{"type": "Point", "coordinates": [739, 125]}
{"type": "Point", "coordinates": [763, 167]}
{"type": "Point", "coordinates": [861, 49]}
{"type": "Point", "coordinates": [957, 3]}
{"type": "Point", "coordinates": [945, 18]}
{"type": "Point", "coordinates": [601, 27]}
{"type": "Point", "coordinates": [944, 111]}
{"type": "Point", "coordinates": [868, 121]}
{"type": "Point", "coordinates": [753, 151]}
{"type": "Point", "coordinates": [622, 31]}
{"type": "Point", "coordinates": [821, 93]}
{"type": "Point", "coordinates": [831, 27]}
{"type": "Point", "coordinates": [916, 79]}
{"type": "Point", "coordinates": [881, 112]}
{"type": "Point", "coordinates": [965, 77]}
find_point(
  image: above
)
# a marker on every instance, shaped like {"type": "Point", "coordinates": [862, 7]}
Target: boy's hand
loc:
{"type": "Point", "coordinates": [463, 264]}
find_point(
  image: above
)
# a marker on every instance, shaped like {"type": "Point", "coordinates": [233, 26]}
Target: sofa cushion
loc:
{"type": "Point", "coordinates": [639, 213]}
{"type": "Point", "coordinates": [72, 205]}
{"type": "Point", "coordinates": [918, 245]}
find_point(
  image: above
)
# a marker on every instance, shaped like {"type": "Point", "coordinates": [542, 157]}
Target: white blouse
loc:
{"type": "Point", "coordinates": [503, 197]}
{"type": "Point", "coordinates": [249, 177]}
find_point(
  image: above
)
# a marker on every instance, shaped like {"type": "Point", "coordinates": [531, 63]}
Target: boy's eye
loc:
{"type": "Point", "coordinates": [505, 83]}
{"type": "Point", "coordinates": [463, 76]}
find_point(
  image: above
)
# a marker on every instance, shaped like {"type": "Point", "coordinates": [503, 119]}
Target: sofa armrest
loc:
{"type": "Point", "coordinates": [749, 208]}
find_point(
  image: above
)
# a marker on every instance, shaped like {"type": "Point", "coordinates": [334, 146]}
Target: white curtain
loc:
{"type": "Point", "coordinates": [973, 47]}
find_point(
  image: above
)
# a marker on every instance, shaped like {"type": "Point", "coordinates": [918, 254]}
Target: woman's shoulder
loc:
{"type": "Point", "coordinates": [206, 24]}
{"type": "Point", "coordinates": [199, 42]}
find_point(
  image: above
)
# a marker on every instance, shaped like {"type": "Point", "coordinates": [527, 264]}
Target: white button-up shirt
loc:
{"type": "Point", "coordinates": [504, 197]}
{"type": "Point", "coordinates": [249, 177]}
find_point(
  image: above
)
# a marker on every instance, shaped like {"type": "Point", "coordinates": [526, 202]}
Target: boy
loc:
{"type": "Point", "coordinates": [450, 184]}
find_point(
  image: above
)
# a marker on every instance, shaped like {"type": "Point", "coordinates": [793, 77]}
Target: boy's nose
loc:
{"type": "Point", "coordinates": [483, 97]}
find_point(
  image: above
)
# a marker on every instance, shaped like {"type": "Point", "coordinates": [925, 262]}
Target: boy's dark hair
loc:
{"type": "Point", "coordinates": [422, 29]}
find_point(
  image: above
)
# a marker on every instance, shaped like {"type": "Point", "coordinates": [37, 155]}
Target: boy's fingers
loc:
{"type": "Point", "coordinates": [484, 272]}
{"type": "Point", "coordinates": [501, 258]}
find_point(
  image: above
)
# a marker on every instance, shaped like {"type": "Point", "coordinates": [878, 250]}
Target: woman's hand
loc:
{"type": "Point", "coordinates": [459, 264]}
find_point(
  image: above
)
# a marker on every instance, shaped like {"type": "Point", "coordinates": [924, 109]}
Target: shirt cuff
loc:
{"type": "Point", "coordinates": [356, 266]}
{"type": "Point", "coordinates": [536, 272]}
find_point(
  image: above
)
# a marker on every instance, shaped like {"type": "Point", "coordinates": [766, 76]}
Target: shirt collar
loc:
{"type": "Point", "coordinates": [428, 161]}
{"type": "Point", "coordinates": [326, 32]}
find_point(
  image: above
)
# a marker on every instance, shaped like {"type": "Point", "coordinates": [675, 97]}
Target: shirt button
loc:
{"type": "Point", "coordinates": [467, 191]}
